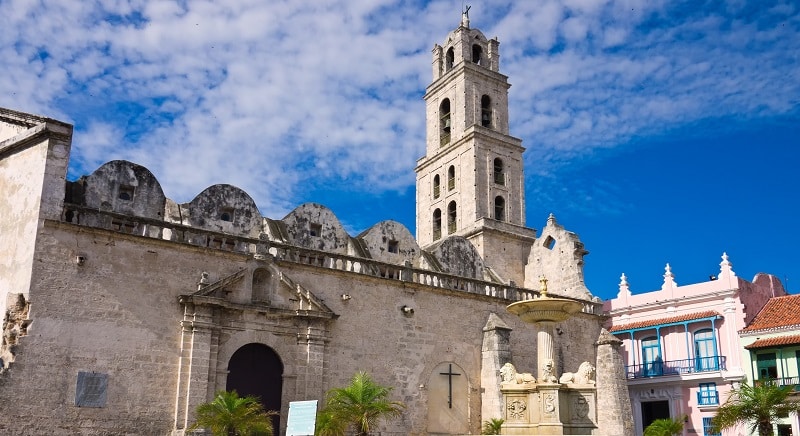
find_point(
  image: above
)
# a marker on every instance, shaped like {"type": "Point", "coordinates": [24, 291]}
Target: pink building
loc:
{"type": "Point", "coordinates": [681, 344]}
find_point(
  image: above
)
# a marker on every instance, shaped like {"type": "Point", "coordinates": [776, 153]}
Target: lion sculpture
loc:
{"type": "Point", "coordinates": [509, 375]}
{"type": "Point", "coordinates": [547, 372]}
{"type": "Point", "coordinates": [584, 376]}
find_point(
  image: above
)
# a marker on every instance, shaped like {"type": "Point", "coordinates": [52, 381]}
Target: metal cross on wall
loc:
{"type": "Point", "coordinates": [449, 375]}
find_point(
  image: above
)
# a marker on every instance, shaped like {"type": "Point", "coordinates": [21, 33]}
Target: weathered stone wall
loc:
{"type": "Point", "coordinates": [33, 160]}
{"type": "Point", "coordinates": [118, 314]}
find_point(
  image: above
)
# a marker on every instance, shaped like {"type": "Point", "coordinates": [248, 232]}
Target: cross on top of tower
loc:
{"type": "Point", "coordinates": [465, 17]}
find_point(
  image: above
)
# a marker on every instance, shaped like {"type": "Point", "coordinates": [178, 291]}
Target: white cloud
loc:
{"type": "Point", "coordinates": [281, 95]}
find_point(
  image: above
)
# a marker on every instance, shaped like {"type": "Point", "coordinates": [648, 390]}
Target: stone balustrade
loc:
{"type": "Point", "coordinates": [175, 232]}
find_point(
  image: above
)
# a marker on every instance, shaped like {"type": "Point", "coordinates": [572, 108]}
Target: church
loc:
{"type": "Point", "coordinates": [124, 310]}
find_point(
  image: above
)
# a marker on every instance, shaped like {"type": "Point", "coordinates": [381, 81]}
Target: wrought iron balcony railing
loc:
{"type": "Point", "coordinates": [659, 368]}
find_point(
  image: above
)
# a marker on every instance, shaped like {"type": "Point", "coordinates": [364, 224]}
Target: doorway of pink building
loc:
{"type": "Point", "coordinates": [652, 410]}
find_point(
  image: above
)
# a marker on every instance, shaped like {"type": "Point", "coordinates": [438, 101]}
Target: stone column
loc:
{"type": "Point", "coordinates": [495, 352]}
{"type": "Point", "coordinates": [545, 352]}
{"type": "Point", "coordinates": [550, 403]}
{"type": "Point", "coordinates": [612, 389]}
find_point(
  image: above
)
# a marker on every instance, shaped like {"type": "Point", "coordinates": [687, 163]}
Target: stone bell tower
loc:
{"type": "Point", "coordinates": [470, 182]}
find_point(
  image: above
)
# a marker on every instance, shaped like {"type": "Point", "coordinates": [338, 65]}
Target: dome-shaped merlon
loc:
{"type": "Point", "coordinates": [390, 242]}
{"type": "Point", "coordinates": [124, 187]}
{"type": "Point", "coordinates": [314, 226]}
{"type": "Point", "coordinates": [226, 209]}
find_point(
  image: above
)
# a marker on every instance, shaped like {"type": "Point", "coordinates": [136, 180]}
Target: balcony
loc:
{"type": "Point", "coordinates": [660, 368]}
{"type": "Point", "coordinates": [785, 381]}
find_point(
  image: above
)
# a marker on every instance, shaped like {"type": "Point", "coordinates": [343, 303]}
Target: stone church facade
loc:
{"type": "Point", "coordinates": [124, 310]}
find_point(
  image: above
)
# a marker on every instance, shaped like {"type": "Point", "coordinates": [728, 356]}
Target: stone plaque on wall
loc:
{"type": "Point", "coordinates": [90, 390]}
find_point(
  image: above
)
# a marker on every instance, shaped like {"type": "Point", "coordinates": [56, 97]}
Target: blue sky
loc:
{"type": "Point", "coordinates": [659, 131]}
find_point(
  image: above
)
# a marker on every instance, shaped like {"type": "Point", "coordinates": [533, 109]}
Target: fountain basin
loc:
{"type": "Point", "coordinates": [544, 309]}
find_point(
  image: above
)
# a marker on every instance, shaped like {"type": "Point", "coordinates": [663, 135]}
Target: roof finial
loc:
{"type": "Point", "coordinates": [465, 17]}
{"type": "Point", "coordinates": [726, 268]}
{"type": "Point", "coordinates": [551, 219]}
{"type": "Point", "coordinates": [669, 279]}
{"type": "Point", "coordinates": [624, 288]}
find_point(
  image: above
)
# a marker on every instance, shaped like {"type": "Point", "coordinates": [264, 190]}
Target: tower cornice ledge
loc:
{"type": "Point", "coordinates": [487, 224]}
{"type": "Point", "coordinates": [472, 133]}
{"type": "Point", "coordinates": [460, 69]}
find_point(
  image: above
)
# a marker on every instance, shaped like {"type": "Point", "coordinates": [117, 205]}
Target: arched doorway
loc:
{"type": "Point", "coordinates": [256, 369]}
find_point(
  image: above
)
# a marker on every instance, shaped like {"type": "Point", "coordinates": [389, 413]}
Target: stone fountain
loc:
{"type": "Point", "coordinates": [551, 405]}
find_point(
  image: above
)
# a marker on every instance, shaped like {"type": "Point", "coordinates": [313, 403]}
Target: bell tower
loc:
{"type": "Point", "coordinates": [470, 182]}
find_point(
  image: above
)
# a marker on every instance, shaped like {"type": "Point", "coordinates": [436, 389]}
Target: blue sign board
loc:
{"type": "Point", "coordinates": [302, 417]}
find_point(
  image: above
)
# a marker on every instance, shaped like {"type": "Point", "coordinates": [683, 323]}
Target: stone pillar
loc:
{"type": "Point", "coordinates": [495, 352]}
{"type": "Point", "coordinates": [545, 353]}
{"type": "Point", "coordinates": [612, 389]}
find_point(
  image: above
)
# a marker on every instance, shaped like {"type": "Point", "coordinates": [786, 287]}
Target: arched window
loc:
{"type": "Point", "coordinates": [499, 208]}
{"type": "Point", "coordinates": [705, 351]}
{"type": "Point", "coordinates": [437, 224]}
{"type": "Point", "coordinates": [499, 172]}
{"type": "Point", "coordinates": [486, 111]}
{"type": "Point", "coordinates": [444, 121]}
{"type": "Point", "coordinates": [477, 53]}
{"type": "Point", "coordinates": [450, 58]}
{"type": "Point", "coordinates": [451, 178]}
{"type": "Point", "coordinates": [451, 218]}
{"type": "Point", "coordinates": [436, 186]}
{"type": "Point", "coordinates": [651, 357]}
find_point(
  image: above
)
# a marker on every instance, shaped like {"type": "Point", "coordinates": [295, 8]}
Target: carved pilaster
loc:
{"type": "Point", "coordinates": [310, 367]}
{"type": "Point", "coordinates": [195, 363]}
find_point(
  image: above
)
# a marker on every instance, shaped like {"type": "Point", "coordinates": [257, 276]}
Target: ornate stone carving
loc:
{"type": "Point", "coordinates": [510, 376]}
{"type": "Point", "coordinates": [585, 375]}
{"type": "Point", "coordinates": [516, 409]}
{"type": "Point", "coordinates": [549, 404]}
{"type": "Point", "coordinates": [15, 325]}
{"type": "Point", "coordinates": [580, 409]}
